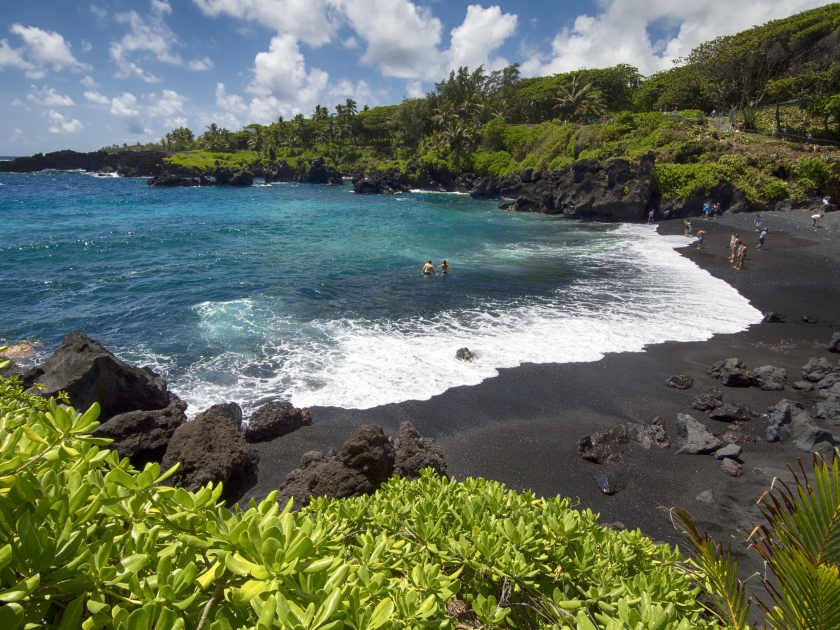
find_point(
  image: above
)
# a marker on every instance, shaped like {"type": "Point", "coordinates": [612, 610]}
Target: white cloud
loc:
{"type": "Point", "coordinates": [95, 97]}
{"type": "Point", "coordinates": [312, 21]}
{"type": "Point", "coordinates": [280, 82]}
{"type": "Point", "coordinates": [40, 50]}
{"type": "Point", "coordinates": [402, 38]}
{"type": "Point", "coordinates": [169, 107]}
{"type": "Point", "coordinates": [48, 96]}
{"type": "Point", "coordinates": [360, 92]}
{"type": "Point", "coordinates": [17, 135]}
{"type": "Point", "coordinates": [17, 102]}
{"type": "Point", "coordinates": [99, 12]}
{"type": "Point", "coordinates": [200, 65]}
{"type": "Point", "coordinates": [88, 82]}
{"type": "Point", "coordinates": [86, 46]}
{"type": "Point", "coordinates": [481, 33]}
{"type": "Point", "coordinates": [232, 103]}
{"type": "Point", "coordinates": [60, 124]}
{"type": "Point", "coordinates": [350, 43]}
{"type": "Point", "coordinates": [619, 32]}
{"type": "Point", "coordinates": [414, 89]}
{"type": "Point", "coordinates": [151, 36]}
{"type": "Point", "coordinates": [125, 107]}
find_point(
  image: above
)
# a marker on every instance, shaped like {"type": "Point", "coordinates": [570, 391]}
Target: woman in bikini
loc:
{"type": "Point", "coordinates": [444, 266]}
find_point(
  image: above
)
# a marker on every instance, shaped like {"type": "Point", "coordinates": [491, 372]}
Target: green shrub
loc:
{"type": "Point", "coordinates": [682, 181]}
{"type": "Point", "coordinates": [813, 173]}
{"type": "Point", "coordinates": [775, 191]}
{"type": "Point", "coordinates": [88, 542]}
{"type": "Point", "coordinates": [494, 164]}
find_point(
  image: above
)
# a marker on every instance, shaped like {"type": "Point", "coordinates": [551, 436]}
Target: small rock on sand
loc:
{"type": "Point", "coordinates": [464, 354]}
{"type": "Point", "coordinates": [834, 344]}
{"type": "Point", "coordinates": [731, 451]}
{"type": "Point", "coordinates": [816, 369]}
{"type": "Point", "coordinates": [731, 468]}
{"type": "Point", "coordinates": [708, 401]}
{"type": "Point", "coordinates": [705, 497]}
{"type": "Point", "coordinates": [695, 437]}
{"type": "Point", "coordinates": [770, 378]}
{"type": "Point", "coordinates": [731, 412]}
{"type": "Point", "coordinates": [680, 381]}
{"type": "Point", "coordinates": [732, 373]}
{"type": "Point", "coordinates": [610, 482]}
{"type": "Point", "coordinates": [803, 386]}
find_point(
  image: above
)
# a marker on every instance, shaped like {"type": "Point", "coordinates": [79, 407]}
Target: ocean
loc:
{"type": "Point", "coordinates": [315, 295]}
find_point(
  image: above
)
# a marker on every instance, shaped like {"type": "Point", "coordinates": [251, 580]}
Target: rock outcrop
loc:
{"type": "Point", "coordinates": [364, 463]}
{"type": "Point", "coordinates": [381, 183]}
{"type": "Point", "coordinates": [805, 433]}
{"type": "Point", "coordinates": [731, 412]}
{"type": "Point", "coordinates": [274, 419]}
{"type": "Point", "coordinates": [816, 369]}
{"type": "Point", "coordinates": [834, 344]}
{"type": "Point", "coordinates": [143, 436]}
{"type": "Point", "coordinates": [780, 417]}
{"type": "Point", "coordinates": [607, 446]}
{"type": "Point", "coordinates": [124, 163]}
{"type": "Point", "coordinates": [732, 373]}
{"type": "Point", "coordinates": [770, 379]}
{"type": "Point", "coordinates": [694, 437]}
{"type": "Point", "coordinates": [210, 447]}
{"type": "Point", "coordinates": [707, 401]}
{"type": "Point", "coordinates": [828, 411]}
{"type": "Point", "coordinates": [588, 189]}
{"type": "Point", "coordinates": [313, 171]}
{"type": "Point", "coordinates": [89, 373]}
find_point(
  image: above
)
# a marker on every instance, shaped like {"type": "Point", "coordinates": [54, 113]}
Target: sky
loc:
{"type": "Point", "coordinates": [85, 74]}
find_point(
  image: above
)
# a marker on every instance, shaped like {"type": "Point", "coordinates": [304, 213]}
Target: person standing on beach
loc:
{"type": "Point", "coordinates": [428, 269]}
{"type": "Point", "coordinates": [651, 215]}
{"type": "Point", "coordinates": [742, 256]}
{"type": "Point", "coordinates": [734, 245]}
{"type": "Point", "coordinates": [759, 222]}
{"type": "Point", "coordinates": [700, 236]}
{"type": "Point", "coordinates": [815, 218]}
{"type": "Point", "coordinates": [685, 226]}
{"type": "Point", "coordinates": [715, 210]}
{"type": "Point", "coordinates": [444, 267]}
{"type": "Point", "coordinates": [761, 238]}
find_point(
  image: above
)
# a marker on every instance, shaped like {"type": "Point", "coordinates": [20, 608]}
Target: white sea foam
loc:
{"type": "Point", "coordinates": [352, 364]}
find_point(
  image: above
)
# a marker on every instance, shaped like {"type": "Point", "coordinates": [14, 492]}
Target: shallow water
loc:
{"type": "Point", "coordinates": [314, 294]}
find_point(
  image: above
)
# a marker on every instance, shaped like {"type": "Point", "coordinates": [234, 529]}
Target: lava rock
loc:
{"type": "Point", "coordinates": [828, 411]}
{"type": "Point", "coordinates": [680, 381]}
{"type": "Point", "coordinates": [805, 433]}
{"type": "Point", "coordinates": [834, 390]}
{"type": "Point", "coordinates": [816, 369]}
{"type": "Point", "coordinates": [834, 344]}
{"type": "Point", "coordinates": [695, 437]}
{"type": "Point", "coordinates": [732, 451]}
{"type": "Point", "coordinates": [172, 181]}
{"type": "Point", "coordinates": [648, 435]}
{"type": "Point", "coordinates": [780, 417]}
{"type": "Point", "coordinates": [464, 354]}
{"type": "Point", "coordinates": [603, 447]}
{"type": "Point", "coordinates": [708, 401]}
{"type": "Point", "coordinates": [732, 373]}
{"type": "Point", "coordinates": [731, 468]}
{"type": "Point", "coordinates": [274, 419]}
{"type": "Point", "coordinates": [611, 482]}
{"type": "Point", "coordinates": [804, 386]}
{"type": "Point", "coordinates": [773, 318]}
{"type": "Point", "coordinates": [828, 382]}
{"type": "Point", "coordinates": [143, 436]}
{"type": "Point", "coordinates": [211, 447]}
{"type": "Point", "coordinates": [731, 412]}
{"type": "Point", "coordinates": [89, 373]}
{"type": "Point", "coordinates": [770, 379]}
{"type": "Point", "coordinates": [364, 463]}
{"type": "Point", "coordinates": [414, 453]}
{"type": "Point", "coordinates": [736, 436]}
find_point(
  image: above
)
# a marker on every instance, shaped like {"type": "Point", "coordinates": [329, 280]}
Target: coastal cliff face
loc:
{"type": "Point", "coordinates": [125, 163]}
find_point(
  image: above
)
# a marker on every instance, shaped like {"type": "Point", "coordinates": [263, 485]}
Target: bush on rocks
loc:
{"type": "Point", "coordinates": [115, 548]}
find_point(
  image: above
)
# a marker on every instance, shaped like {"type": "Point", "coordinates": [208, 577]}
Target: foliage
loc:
{"type": "Point", "coordinates": [800, 545]}
{"type": "Point", "coordinates": [682, 181]}
{"type": "Point", "coordinates": [88, 542]}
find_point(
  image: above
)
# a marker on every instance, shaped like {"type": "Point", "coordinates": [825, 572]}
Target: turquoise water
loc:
{"type": "Point", "coordinates": [314, 294]}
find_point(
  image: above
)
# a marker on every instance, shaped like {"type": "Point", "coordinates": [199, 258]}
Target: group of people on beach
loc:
{"type": "Point", "coordinates": [710, 210]}
{"type": "Point", "coordinates": [429, 268]}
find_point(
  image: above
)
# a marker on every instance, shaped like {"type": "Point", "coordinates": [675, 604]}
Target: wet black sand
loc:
{"type": "Point", "coordinates": [522, 427]}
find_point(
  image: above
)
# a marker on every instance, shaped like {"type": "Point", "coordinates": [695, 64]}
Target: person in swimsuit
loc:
{"type": "Point", "coordinates": [428, 269]}
{"type": "Point", "coordinates": [444, 266]}
{"type": "Point", "coordinates": [761, 238]}
{"type": "Point", "coordinates": [700, 236]}
{"type": "Point", "coordinates": [685, 226]}
{"type": "Point", "coordinates": [734, 242]}
{"type": "Point", "coordinates": [742, 256]}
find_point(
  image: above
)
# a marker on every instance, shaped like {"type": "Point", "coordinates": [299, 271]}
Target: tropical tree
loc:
{"type": "Point", "coordinates": [800, 545]}
{"type": "Point", "coordinates": [444, 114]}
{"type": "Point", "coordinates": [320, 113]}
{"type": "Point", "coordinates": [579, 102]}
{"type": "Point", "coordinates": [351, 107]}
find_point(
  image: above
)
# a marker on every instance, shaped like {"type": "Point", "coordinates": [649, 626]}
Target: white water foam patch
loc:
{"type": "Point", "coordinates": [352, 364]}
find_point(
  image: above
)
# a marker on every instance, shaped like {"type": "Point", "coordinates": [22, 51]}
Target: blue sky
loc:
{"type": "Point", "coordinates": [84, 74]}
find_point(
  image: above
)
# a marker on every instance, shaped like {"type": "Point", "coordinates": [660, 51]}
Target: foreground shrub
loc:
{"type": "Point", "coordinates": [88, 542]}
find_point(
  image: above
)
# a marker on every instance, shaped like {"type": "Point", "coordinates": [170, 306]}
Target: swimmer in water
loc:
{"type": "Point", "coordinates": [429, 268]}
{"type": "Point", "coordinates": [444, 266]}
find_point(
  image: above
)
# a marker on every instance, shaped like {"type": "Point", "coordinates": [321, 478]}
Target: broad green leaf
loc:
{"type": "Point", "coordinates": [11, 616]}
{"type": "Point", "coordinates": [72, 616]}
{"type": "Point", "coordinates": [21, 589]}
{"type": "Point", "coordinates": [381, 613]}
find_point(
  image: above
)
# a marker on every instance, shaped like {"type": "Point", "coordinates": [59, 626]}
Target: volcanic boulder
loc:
{"type": "Point", "coordinates": [414, 453]}
{"type": "Point", "coordinates": [89, 373]}
{"type": "Point", "coordinates": [770, 379]}
{"type": "Point", "coordinates": [816, 369]}
{"type": "Point", "coordinates": [695, 438]}
{"type": "Point", "coordinates": [805, 434]}
{"type": "Point", "coordinates": [732, 373]}
{"type": "Point", "coordinates": [143, 436]}
{"type": "Point", "coordinates": [781, 415]}
{"type": "Point", "coordinates": [834, 344]}
{"type": "Point", "coordinates": [274, 419]}
{"type": "Point", "coordinates": [731, 412]}
{"type": "Point", "coordinates": [708, 401]}
{"type": "Point", "coordinates": [210, 447]}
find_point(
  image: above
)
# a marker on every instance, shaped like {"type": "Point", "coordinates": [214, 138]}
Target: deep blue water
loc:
{"type": "Point", "coordinates": [315, 294]}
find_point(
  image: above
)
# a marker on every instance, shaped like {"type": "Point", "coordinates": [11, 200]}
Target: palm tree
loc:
{"type": "Point", "coordinates": [350, 108]}
{"type": "Point", "coordinates": [301, 130]}
{"type": "Point", "coordinates": [320, 113]}
{"type": "Point", "coordinates": [580, 102]}
{"type": "Point", "coordinates": [458, 134]}
{"type": "Point", "coordinates": [470, 106]}
{"type": "Point", "coordinates": [258, 138]}
{"type": "Point", "coordinates": [444, 114]}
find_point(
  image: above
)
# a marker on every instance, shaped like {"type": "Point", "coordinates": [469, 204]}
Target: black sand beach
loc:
{"type": "Point", "coordinates": [523, 427]}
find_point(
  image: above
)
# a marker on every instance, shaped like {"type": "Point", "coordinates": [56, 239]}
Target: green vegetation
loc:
{"type": "Point", "coordinates": [88, 542]}
{"type": "Point", "coordinates": [800, 545]}
{"type": "Point", "coordinates": [780, 79]}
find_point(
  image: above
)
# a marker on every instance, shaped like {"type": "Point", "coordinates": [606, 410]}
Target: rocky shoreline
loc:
{"type": "Point", "coordinates": [618, 190]}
